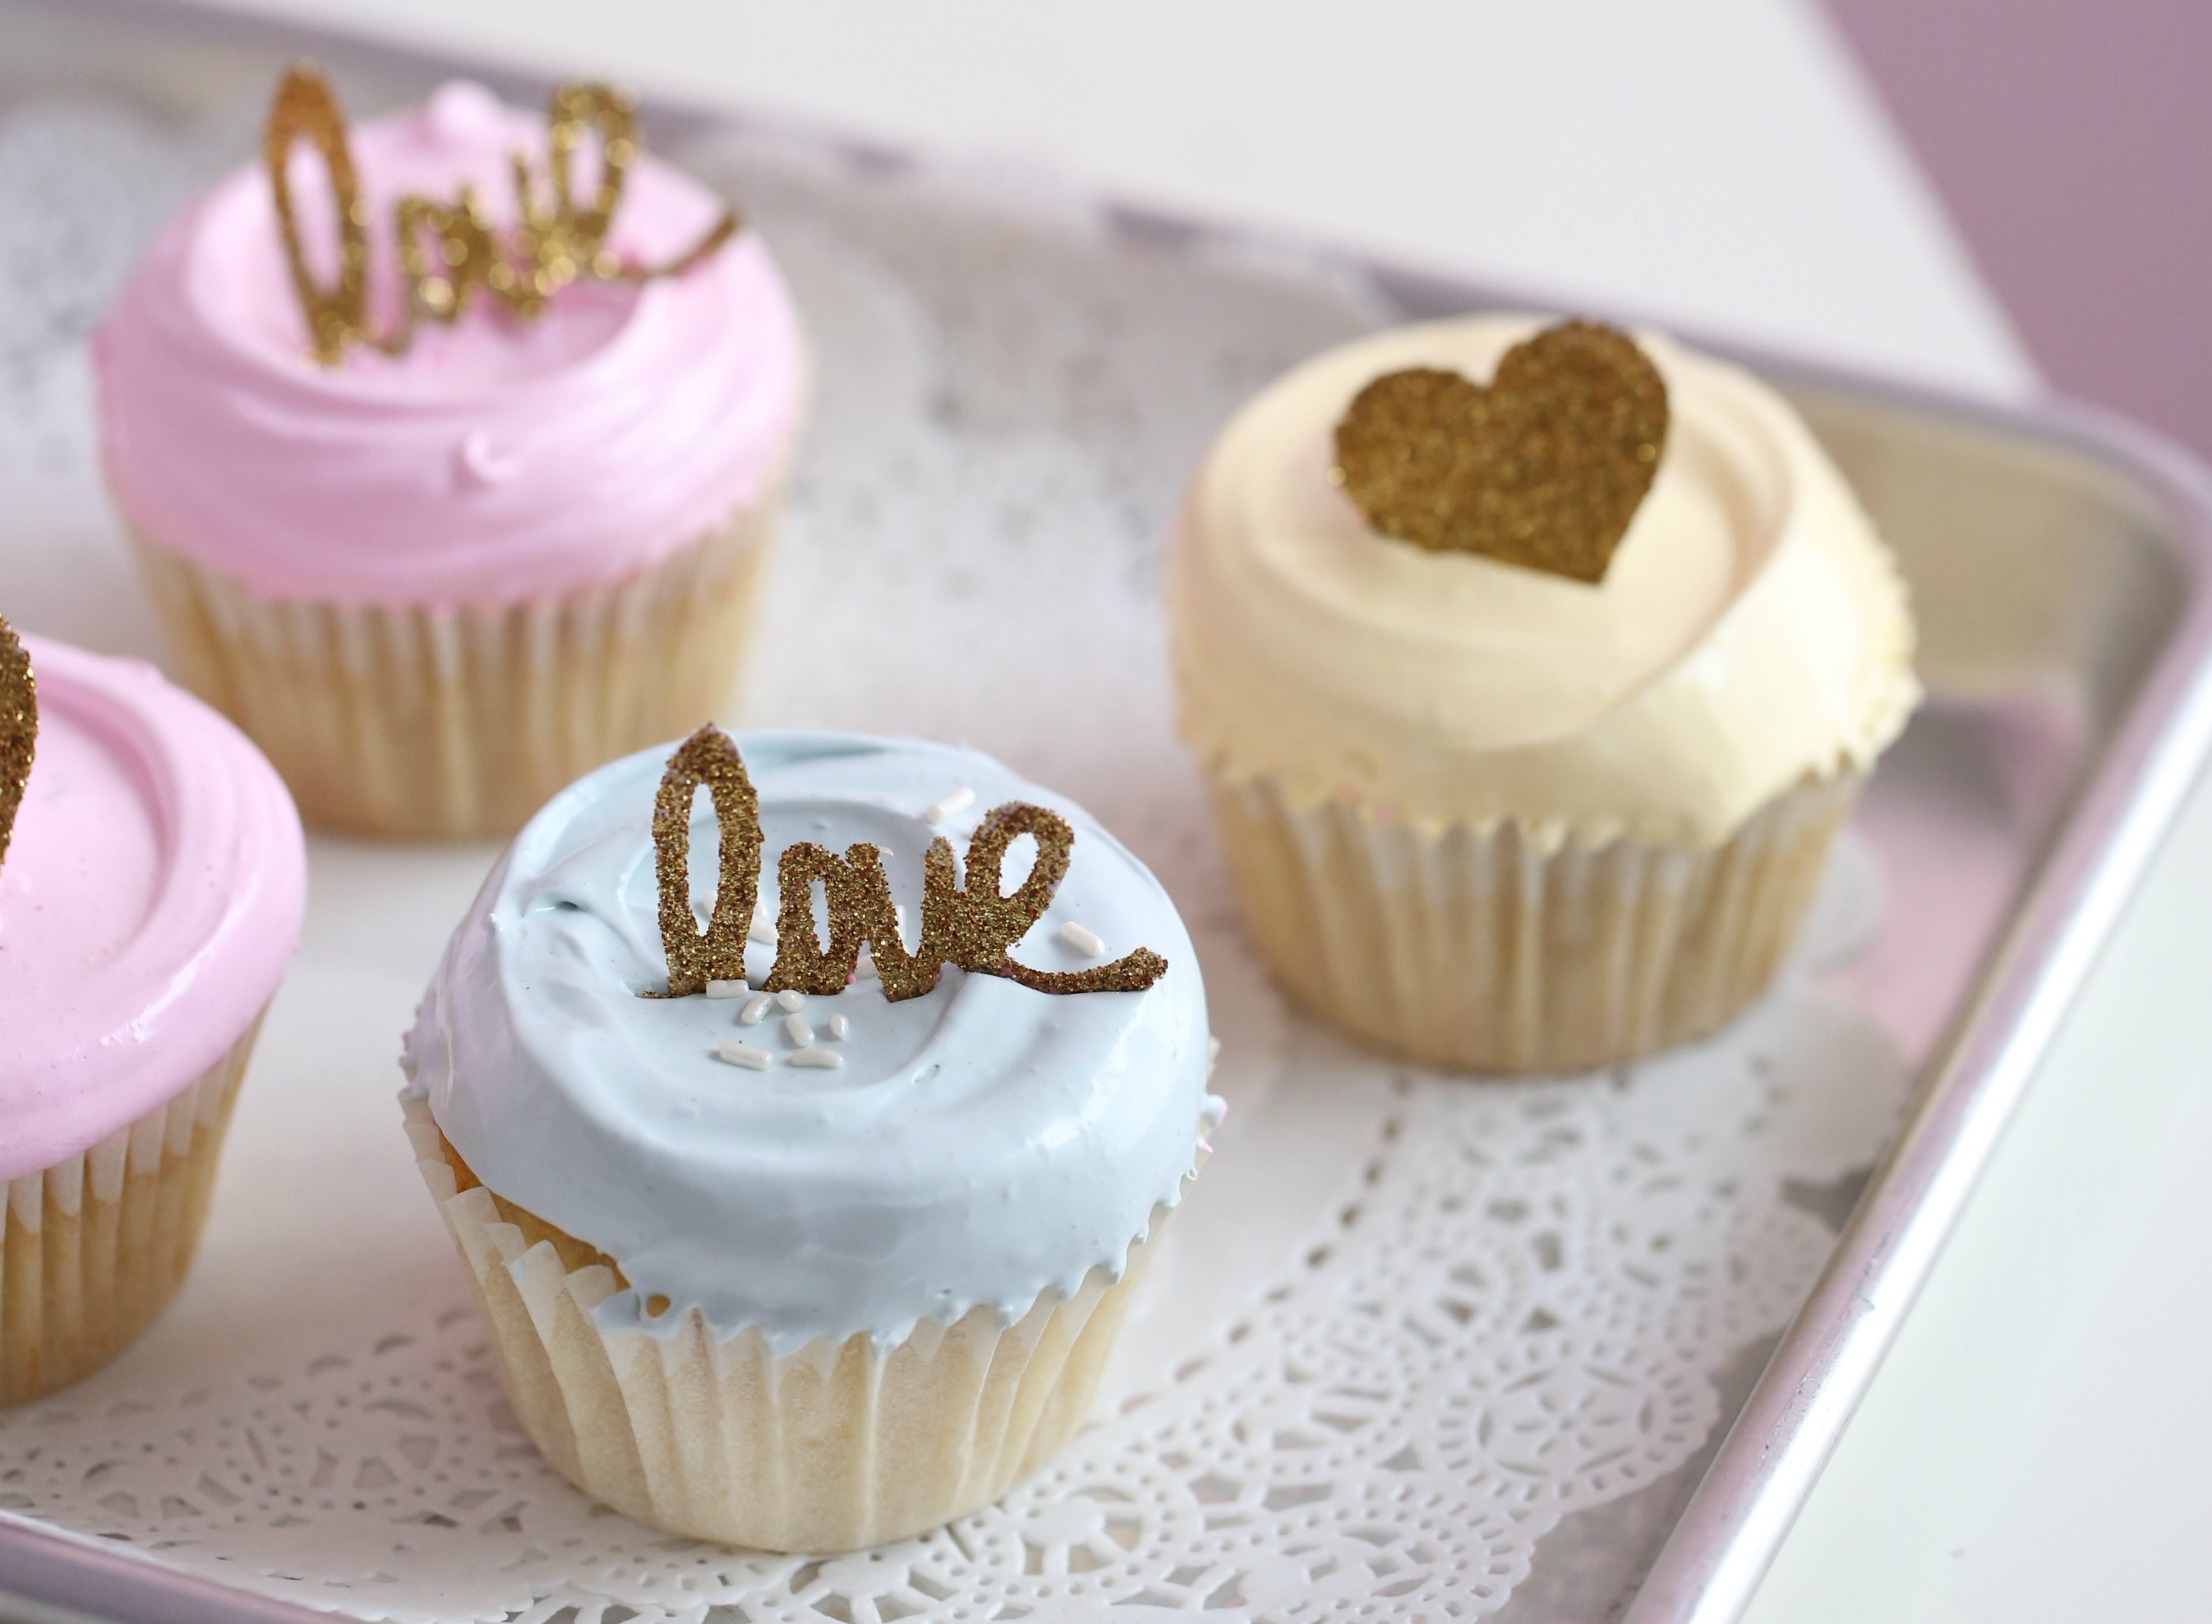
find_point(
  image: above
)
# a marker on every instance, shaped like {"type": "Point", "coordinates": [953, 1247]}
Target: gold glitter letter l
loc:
{"type": "Point", "coordinates": [708, 757]}
{"type": "Point", "coordinates": [336, 316]}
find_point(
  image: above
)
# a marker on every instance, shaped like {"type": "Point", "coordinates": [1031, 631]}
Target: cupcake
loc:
{"type": "Point", "coordinates": [444, 528]}
{"type": "Point", "coordinates": [812, 1230]}
{"type": "Point", "coordinates": [151, 884]}
{"type": "Point", "coordinates": [1533, 671]}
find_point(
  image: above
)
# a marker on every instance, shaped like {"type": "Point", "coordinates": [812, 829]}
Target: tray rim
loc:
{"type": "Point", "coordinates": [1710, 1566]}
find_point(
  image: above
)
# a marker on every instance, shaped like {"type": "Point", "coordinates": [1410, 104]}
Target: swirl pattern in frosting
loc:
{"type": "Point", "coordinates": [150, 899]}
{"type": "Point", "coordinates": [981, 1144]}
{"type": "Point", "coordinates": [1751, 631]}
{"type": "Point", "coordinates": [496, 460]}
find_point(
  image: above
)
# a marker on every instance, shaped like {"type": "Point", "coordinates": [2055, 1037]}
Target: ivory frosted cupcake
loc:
{"type": "Point", "coordinates": [437, 585]}
{"type": "Point", "coordinates": [150, 894]}
{"type": "Point", "coordinates": [1530, 702]}
{"type": "Point", "coordinates": [809, 1269]}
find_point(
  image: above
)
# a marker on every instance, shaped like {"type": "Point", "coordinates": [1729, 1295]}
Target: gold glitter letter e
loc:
{"type": "Point", "coordinates": [18, 729]}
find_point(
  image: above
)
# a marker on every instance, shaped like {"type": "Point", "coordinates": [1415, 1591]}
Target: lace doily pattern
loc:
{"type": "Point", "coordinates": [1414, 1342]}
{"type": "Point", "coordinates": [1508, 1311]}
{"type": "Point", "coordinates": [82, 187]}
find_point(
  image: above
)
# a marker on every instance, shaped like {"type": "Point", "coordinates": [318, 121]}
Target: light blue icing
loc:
{"type": "Point", "coordinates": [982, 1143]}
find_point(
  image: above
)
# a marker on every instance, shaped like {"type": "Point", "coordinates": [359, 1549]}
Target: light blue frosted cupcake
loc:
{"type": "Point", "coordinates": [809, 1270]}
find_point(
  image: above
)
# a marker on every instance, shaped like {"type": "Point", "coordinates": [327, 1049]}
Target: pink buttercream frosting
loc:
{"type": "Point", "coordinates": [495, 461]}
{"type": "Point", "coordinates": [149, 900]}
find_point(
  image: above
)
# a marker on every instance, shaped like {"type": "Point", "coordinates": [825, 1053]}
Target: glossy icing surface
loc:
{"type": "Point", "coordinates": [495, 460]}
{"type": "Point", "coordinates": [1752, 628]}
{"type": "Point", "coordinates": [980, 1144]}
{"type": "Point", "coordinates": [149, 901]}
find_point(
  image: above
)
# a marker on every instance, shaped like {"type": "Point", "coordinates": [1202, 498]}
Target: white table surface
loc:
{"type": "Point", "coordinates": [2029, 1451]}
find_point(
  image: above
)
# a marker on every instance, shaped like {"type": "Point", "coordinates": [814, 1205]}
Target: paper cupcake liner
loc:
{"type": "Point", "coordinates": [1479, 949]}
{"type": "Point", "coordinates": [833, 1448]}
{"type": "Point", "coordinates": [93, 1248]}
{"type": "Point", "coordinates": [457, 722]}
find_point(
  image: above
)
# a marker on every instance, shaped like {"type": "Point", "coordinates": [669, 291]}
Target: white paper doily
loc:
{"type": "Point", "coordinates": [1414, 1342]}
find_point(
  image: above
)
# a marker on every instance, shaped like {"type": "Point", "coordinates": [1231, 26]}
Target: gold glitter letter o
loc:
{"type": "Point", "coordinates": [802, 963]}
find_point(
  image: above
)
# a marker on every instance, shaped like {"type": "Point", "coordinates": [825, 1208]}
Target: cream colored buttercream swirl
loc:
{"type": "Point", "coordinates": [1751, 632]}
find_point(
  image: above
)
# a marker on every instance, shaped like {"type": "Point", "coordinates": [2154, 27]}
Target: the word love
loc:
{"type": "Point", "coordinates": [448, 248]}
{"type": "Point", "coordinates": [969, 925]}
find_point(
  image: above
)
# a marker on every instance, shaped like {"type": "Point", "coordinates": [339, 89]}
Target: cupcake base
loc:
{"type": "Point", "coordinates": [93, 1248]}
{"type": "Point", "coordinates": [459, 723]}
{"type": "Point", "coordinates": [1479, 949]}
{"type": "Point", "coordinates": [832, 1448]}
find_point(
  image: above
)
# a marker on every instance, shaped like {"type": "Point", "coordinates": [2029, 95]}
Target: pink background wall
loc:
{"type": "Point", "coordinates": [2072, 142]}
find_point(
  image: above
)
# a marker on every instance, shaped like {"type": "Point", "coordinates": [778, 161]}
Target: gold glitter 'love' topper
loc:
{"type": "Point", "coordinates": [1543, 468]}
{"type": "Point", "coordinates": [448, 250]}
{"type": "Point", "coordinates": [971, 926]}
{"type": "Point", "coordinates": [18, 729]}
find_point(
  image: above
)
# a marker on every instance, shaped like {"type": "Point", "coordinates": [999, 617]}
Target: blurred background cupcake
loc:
{"type": "Point", "coordinates": [1531, 702]}
{"type": "Point", "coordinates": [152, 880]}
{"type": "Point", "coordinates": [436, 585]}
{"type": "Point", "coordinates": [809, 1270]}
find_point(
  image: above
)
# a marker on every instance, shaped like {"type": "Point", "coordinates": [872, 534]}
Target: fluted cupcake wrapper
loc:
{"type": "Point", "coordinates": [835, 1447]}
{"type": "Point", "coordinates": [1480, 948]}
{"type": "Point", "coordinates": [458, 722]}
{"type": "Point", "coordinates": [93, 1248]}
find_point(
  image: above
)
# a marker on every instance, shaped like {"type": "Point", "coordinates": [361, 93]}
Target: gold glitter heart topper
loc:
{"type": "Point", "coordinates": [969, 925]}
{"type": "Point", "coordinates": [448, 250]}
{"type": "Point", "coordinates": [1543, 468]}
{"type": "Point", "coordinates": [18, 729]}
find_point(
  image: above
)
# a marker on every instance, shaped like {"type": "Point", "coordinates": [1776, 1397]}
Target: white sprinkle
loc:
{"type": "Point", "coordinates": [755, 1008]}
{"type": "Point", "coordinates": [819, 1059]}
{"type": "Point", "coordinates": [1086, 942]}
{"type": "Point", "coordinates": [949, 806]}
{"type": "Point", "coordinates": [865, 966]}
{"type": "Point", "coordinates": [727, 989]}
{"type": "Point", "coordinates": [839, 1026]}
{"type": "Point", "coordinates": [796, 1029]}
{"type": "Point", "coordinates": [747, 1055]}
{"type": "Point", "coordinates": [792, 999]}
{"type": "Point", "coordinates": [763, 928]}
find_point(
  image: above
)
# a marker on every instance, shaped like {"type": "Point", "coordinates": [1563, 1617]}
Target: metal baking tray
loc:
{"type": "Point", "coordinates": [2061, 563]}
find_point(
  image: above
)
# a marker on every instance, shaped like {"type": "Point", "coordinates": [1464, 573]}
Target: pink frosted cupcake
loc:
{"type": "Point", "coordinates": [438, 584]}
{"type": "Point", "coordinates": [150, 894]}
